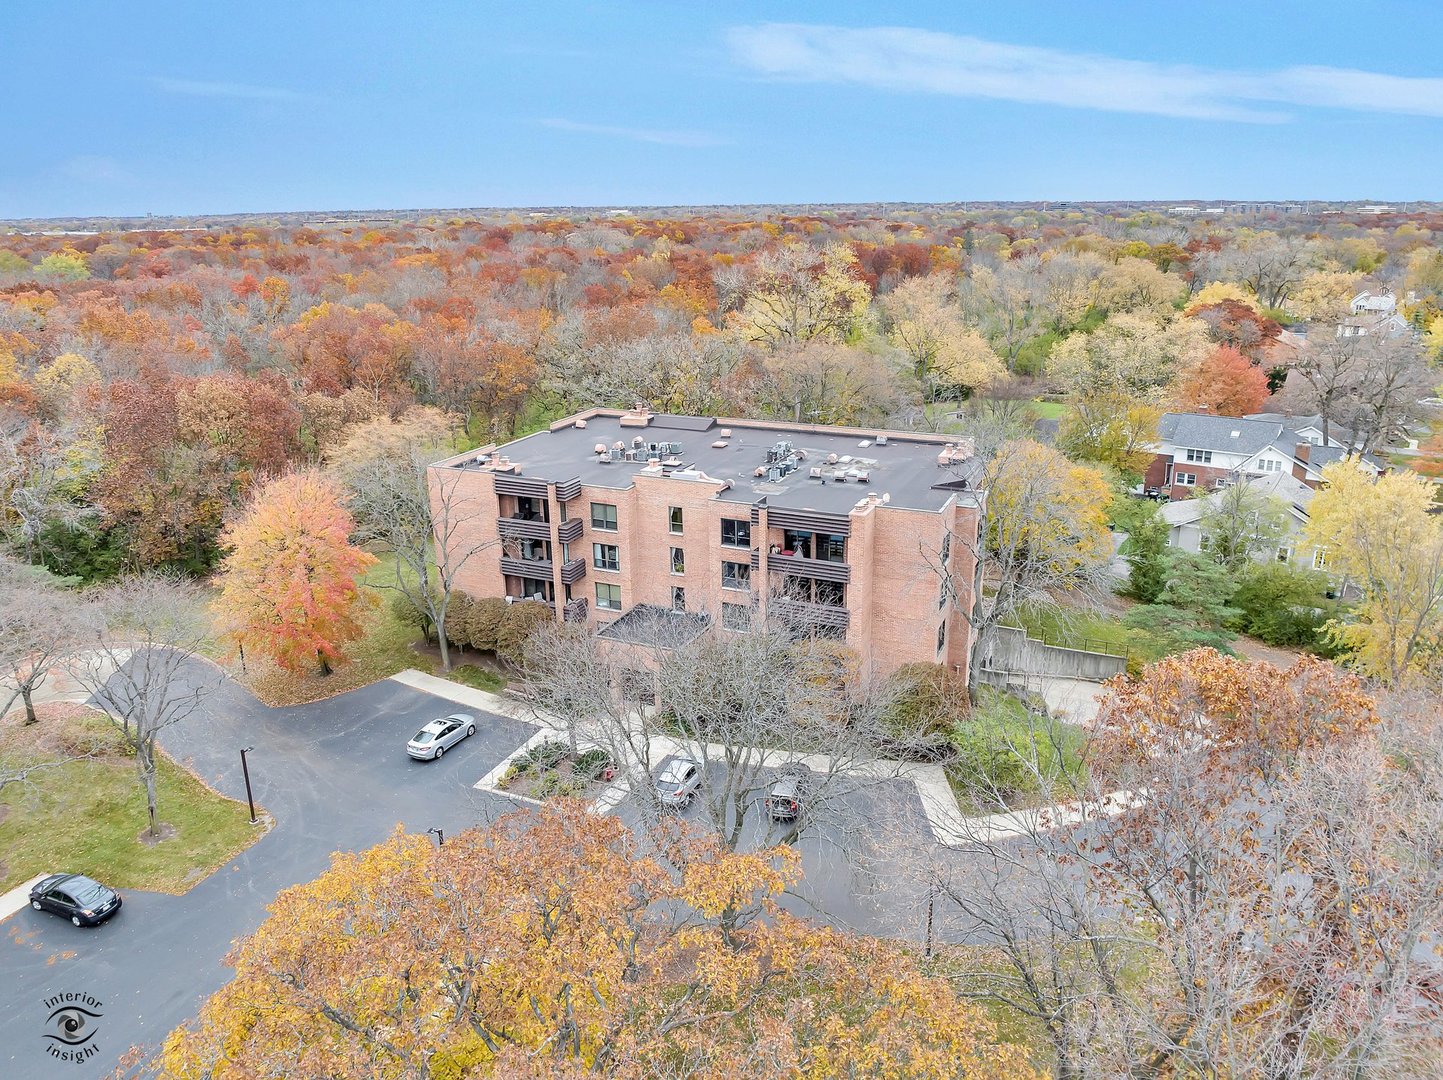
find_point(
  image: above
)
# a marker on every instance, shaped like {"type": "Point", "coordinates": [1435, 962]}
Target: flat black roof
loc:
{"type": "Point", "coordinates": [647, 624]}
{"type": "Point", "coordinates": [902, 467]}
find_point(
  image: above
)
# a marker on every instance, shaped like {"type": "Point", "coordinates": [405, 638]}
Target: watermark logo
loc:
{"type": "Point", "coordinates": [71, 1026]}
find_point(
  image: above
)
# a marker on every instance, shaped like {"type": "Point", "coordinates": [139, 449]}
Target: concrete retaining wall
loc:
{"type": "Point", "coordinates": [1012, 650]}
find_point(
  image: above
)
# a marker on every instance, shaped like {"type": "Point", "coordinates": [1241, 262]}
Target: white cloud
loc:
{"type": "Point", "coordinates": [926, 61]}
{"type": "Point", "coordinates": [197, 88]}
{"type": "Point", "coordinates": [646, 135]}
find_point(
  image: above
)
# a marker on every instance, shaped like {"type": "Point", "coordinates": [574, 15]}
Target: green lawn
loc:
{"type": "Point", "coordinates": [1049, 410]}
{"type": "Point", "coordinates": [999, 745]}
{"type": "Point", "coordinates": [87, 816]}
{"type": "Point", "coordinates": [1075, 628]}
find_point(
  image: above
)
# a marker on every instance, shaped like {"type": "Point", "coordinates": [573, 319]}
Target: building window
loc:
{"type": "Point", "coordinates": [831, 548]}
{"type": "Point", "coordinates": [1185, 479]}
{"type": "Point", "coordinates": [1270, 465]}
{"type": "Point", "coordinates": [736, 617]}
{"type": "Point", "coordinates": [941, 636]}
{"type": "Point", "coordinates": [1285, 554]}
{"type": "Point", "coordinates": [678, 561]}
{"type": "Point", "coordinates": [608, 596]}
{"type": "Point", "coordinates": [678, 598]}
{"type": "Point", "coordinates": [736, 575]}
{"type": "Point", "coordinates": [676, 519]}
{"type": "Point", "coordinates": [603, 516]}
{"type": "Point", "coordinates": [605, 556]}
{"type": "Point", "coordinates": [1200, 457]}
{"type": "Point", "coordinates": [1320, 558]}
{"type": "Point", "coordinates": [946, 546]}
{"type": "Point", "coordinates": [736, 533]}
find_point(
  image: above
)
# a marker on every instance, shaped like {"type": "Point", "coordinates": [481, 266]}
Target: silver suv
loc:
{"type": "Point", "coordinates": [677, 785]}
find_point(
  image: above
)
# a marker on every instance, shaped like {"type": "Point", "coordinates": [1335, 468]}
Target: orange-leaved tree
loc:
{"type": "Point", "coordinates": [288, 585]}
{"type": "Point", "coordinates": [557, 943]}
{"type": "Point", "coordinates": [1225, 382]}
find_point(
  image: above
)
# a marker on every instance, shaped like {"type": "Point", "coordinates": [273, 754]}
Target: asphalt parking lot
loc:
{"type": "Point", "coordinates": [336, 776]}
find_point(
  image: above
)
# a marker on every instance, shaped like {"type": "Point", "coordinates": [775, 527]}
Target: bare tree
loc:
{"type": "Point", "coordinates": [1370, 383]}
{"type": "Point", "coordinates": [140, 665]}
{"type": "Point", "coordinates": [426, 517]}
{"type": "Point", "coordinates": [741, 704]}
{"type": "Point", "coordinates": [38, 628]}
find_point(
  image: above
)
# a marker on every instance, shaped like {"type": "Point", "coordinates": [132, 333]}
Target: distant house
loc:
{"type": "Point", "coordinates": [1185, 521]}
{"type": "Point", "coordinates": [1202, 451]}
{"type": "Point", "coordinates": [1370, 303]}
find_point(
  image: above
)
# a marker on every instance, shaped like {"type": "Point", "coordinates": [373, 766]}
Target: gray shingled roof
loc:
{"type": "Point", "coordinates": [1236, 435]}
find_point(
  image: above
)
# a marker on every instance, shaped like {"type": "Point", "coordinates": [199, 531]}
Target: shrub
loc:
{"type": "Point", "coordinates": [543, 756]}
{"type": "Point", "coordinates": [1283, 606]}
{"type": "Point", "coordinates": [458, 612]}
{"type": "Point", "coordinates": [520, 622]}
{"type": "Point", "coordinates": [928, 700]}
{"type": "Point", "coordinates": [485, 620]}
{"type": "Point", "coordinates": [1003, 748]}
{"type": "Point", "coordinates": [590, 765]}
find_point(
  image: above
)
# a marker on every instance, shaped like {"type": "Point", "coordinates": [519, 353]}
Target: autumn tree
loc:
{"type": "Point", "coordinates": [1110, 429]}
{"type": "Point", "coordinates": [927, 325]}
{"type": "Point", "coordinates": [1136, 355]}
{"type": "Point", "coordinates": [558, 943]}
{"type": "Point", "coordinates": [798, 293]}
{"type": "Point", "coordinates": [1043, 534]}
{"type": "Point", "coordinates": [1382, 535]}
{"type": "Point", "coordinates": [1241, 524]}
{"type": "Point", "coordinates": [742, 704]}
{"type": "Point", "coordinates": [289, 585]}
{"type": "Point", "coordinates": [1224, 383]}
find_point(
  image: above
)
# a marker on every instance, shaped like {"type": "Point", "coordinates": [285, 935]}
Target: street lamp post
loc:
{"type": "Point", "coordinates": [245, 770]}
{"type": "Point", "coordinates": [440, 837]}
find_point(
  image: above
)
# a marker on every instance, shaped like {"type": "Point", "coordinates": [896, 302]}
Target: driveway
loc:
{"type": "Point", "coordinates": [334, 774]}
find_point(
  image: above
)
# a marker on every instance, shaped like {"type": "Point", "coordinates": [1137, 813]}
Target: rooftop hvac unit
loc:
{"type": "Point", "coordinates": [881, 440]}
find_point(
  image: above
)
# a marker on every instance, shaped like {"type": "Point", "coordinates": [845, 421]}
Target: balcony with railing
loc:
{"type": "Point", "coordinates": [804, 614]}
{"type": "Point", "coordinates": [540, 569]}
{"type": "Point", "coordinates": [569, 531]}
{"type": "Point", "coordinates": [816, 569]}
{"type": "Point", "coordinates": [573, 571]}
{"type": "Point", "coordinates": [523, 528]}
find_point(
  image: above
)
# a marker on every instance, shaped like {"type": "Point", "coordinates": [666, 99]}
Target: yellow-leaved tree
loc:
{"type": "Point", "coordinates": [927, 325]}
{"type": "Point", "coordinates": [288, 586]}
{"type": "Point", "coordinates": [557, 944]}
{"type": "Point", "coordinates": [1380, 536]}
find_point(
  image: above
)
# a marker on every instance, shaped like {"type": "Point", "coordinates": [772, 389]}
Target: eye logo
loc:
{"type": "Point", "coordinates": [71, 1027]}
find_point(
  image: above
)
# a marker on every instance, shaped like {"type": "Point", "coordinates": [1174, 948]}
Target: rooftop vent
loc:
{"type": "Point", "coordinates": [881, 440]}
{"type": "Point", "coordinates": [599, 448]}
{"type": "Point", "coordinates": [638, 416]}
{"type": "Point", "coordinates": [581, 424]}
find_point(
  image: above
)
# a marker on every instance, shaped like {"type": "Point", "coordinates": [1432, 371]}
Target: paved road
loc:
{"type": "Point", "coordinates": [335, 775]}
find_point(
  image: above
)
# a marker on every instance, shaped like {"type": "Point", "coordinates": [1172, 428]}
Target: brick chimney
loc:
{"type": "Point", "coordinates": [1300, 467]}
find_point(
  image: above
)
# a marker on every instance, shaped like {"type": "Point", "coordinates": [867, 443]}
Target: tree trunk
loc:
{"type": "Point", "coordinates": [25, 691]}
{"type": "Point", "coordinates": [445, 649]}
{"type": "Point", "coordinates": [325, 664]}
{"type": "Point", "coordinates": [146, 762]}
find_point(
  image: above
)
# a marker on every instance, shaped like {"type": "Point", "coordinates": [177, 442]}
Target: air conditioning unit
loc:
{"type": "Point", "coordinates": [510, 599]}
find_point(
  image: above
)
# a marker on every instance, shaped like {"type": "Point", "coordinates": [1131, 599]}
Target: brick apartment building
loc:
{"type": "Point", "coordinates": [619, 518]}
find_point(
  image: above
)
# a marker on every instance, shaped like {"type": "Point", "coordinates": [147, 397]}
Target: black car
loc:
{"type": "Point", "coordinates": [788, 796]}
{"type": "Point", "coordinates": [82, 900]}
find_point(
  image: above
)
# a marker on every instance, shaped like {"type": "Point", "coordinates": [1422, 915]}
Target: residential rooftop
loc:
{"type": "Point", "coordinates": [796, 466]}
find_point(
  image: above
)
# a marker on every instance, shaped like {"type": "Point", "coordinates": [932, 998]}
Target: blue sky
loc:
{"type": "Point", "coordinates": [183, 107]}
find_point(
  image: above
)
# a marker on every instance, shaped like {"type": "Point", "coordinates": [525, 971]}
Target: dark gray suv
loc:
{"type": "Point", "coordinates": [788, 797]}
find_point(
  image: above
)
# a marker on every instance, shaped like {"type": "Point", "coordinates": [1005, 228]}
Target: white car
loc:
{"type": "Point", "coordinates": [438, 736]}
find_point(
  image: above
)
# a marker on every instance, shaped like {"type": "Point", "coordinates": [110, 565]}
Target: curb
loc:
{"type": "Point", "coordinates": [18, 898]}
